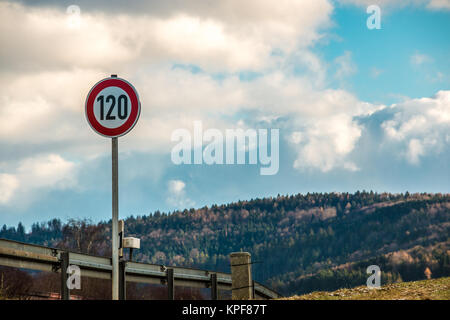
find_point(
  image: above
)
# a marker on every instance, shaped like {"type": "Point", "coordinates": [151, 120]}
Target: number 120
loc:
{"type": "Point", "coordinates": [122, 103]}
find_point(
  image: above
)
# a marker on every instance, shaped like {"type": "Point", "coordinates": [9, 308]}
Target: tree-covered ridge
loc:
{"type": "Point", "coordinates": [289, 236]}
{"type": "Point", "coordinates": [403, 265]}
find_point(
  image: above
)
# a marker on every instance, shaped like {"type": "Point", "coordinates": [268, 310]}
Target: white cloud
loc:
{"type": "Point", "coordinates": [393, 4]}
{"type": "Point", "coordinates": [419, 126]}
{"type": "Point", "coordinates": [8, 185]}
{"type": "Point", "coordinates": [171, 99]}
{"type": "Point", "coordinates": [239, 36]}
{"type": "Point", "coordinates": [380, 2]}
{"type": "Point", "coordinates": [229, 36]}
{"type": "Point", "coordinates": [44, 107]}
{"type": "Point", "coordinates": [439, 4]}
{"type": "Point", "coordinates": [42, 39]}
{"type": "Point", "coordinates": [43, 172]}
{"type": "Point", "coordinates": [327, 143]}
{"type": "Point", "coordinates": [321, 119]}
{"type": "Point", "coordinates": [415, 150]}
{"type": "Point", "coordinates": [43, 87]}
{"type": "Point", "coordinates": [176, 187]}
{"type": "Point", "coordinates": [47, 171]}
{"type": "Point", "coordinates": [345, 66]}
{"type": "Point", "coordinates": [177, 195]}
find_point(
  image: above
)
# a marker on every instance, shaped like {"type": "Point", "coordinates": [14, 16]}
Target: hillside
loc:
{"type": "Point", "coordinates": [433, 289]}
{"type": "Point", "coordinates": [300, 243]}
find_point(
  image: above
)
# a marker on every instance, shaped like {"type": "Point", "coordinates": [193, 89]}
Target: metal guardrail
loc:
{"type": "Point", "coordinates": [30, 256]}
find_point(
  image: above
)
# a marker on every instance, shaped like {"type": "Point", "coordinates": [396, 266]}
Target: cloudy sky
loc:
{"type": "Point", "coordinates": [356, 108]}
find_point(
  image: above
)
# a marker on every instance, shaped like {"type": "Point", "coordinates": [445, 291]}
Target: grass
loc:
{"type": "Point", "coordinates": [433, 289]}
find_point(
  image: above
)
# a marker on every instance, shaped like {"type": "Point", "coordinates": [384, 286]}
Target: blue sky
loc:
{"type": "Point", "coordinates": [404, 32]}
{"type": "Point", "coordinates": [355, 108]}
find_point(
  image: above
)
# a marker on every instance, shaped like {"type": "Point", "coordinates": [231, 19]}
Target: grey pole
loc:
{"type": "Point", "coordinates": [115, 219]}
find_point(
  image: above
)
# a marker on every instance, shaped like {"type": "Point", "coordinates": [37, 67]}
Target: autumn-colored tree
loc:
{"type": "Point", "coordinates": [427, 273]}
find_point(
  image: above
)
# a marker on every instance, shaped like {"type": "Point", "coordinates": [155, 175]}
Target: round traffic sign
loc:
{"type": "Point", "coordinates": [112, 107]}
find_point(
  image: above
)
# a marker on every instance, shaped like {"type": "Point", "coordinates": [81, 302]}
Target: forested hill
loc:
{"type": "Point", "coordinates": [300, 243]}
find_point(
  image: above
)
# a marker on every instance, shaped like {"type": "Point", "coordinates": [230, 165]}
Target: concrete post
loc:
{"type": "Point", "coordinates": [241, 276]}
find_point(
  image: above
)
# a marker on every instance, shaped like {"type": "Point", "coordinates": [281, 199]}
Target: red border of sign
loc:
{"type": "Point", "coordinates": [132, 119]}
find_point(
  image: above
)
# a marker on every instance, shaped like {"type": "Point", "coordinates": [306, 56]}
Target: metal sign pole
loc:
{"type": "Point", "coordinates": [125, 94]}
{"type": "Point", "coordinates": [115, 219]}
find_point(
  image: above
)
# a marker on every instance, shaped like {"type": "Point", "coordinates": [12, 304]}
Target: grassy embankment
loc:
{"type": "Point", "coordinates": [434, 289]}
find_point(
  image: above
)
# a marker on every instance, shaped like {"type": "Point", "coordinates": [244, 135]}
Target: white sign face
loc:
{"type": "Point", "coordinates": [112, 107]}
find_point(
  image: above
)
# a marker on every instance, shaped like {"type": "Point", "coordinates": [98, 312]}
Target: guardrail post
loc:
{"type": "Point", "coordinates": [241, 276]}
{"type": "Point", "coordinates": [170, 285]}
{"type": "Point", "coordinates": [253, 289]}
{"type": "Point", "coordinates": [214, 291]}
{"type": "Point", "coordinates": [122, 280]}
{"type": "Point", "coordinates": [64, 263]}
{"type": "Point", "coordinates": [121, 236]}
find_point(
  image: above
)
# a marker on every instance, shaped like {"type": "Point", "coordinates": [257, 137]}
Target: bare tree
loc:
{"type": "Point", "coordinates": [15, 283]}
{"type": "Point", "coordinates": [84, 236]}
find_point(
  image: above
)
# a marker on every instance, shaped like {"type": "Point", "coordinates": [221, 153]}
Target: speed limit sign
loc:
{"type": "Point", "coordinates": [112, 107]}
{"type": "Point", "coordinates": [112, 110]}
